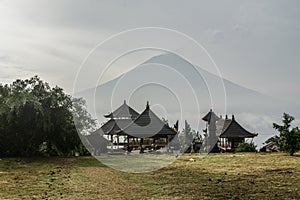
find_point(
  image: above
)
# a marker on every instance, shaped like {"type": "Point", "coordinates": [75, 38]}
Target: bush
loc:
{"type": "Point", "coordinates": [246, 147]}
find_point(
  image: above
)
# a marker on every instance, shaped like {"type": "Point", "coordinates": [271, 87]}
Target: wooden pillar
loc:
{"type": "Point", "coordinates": [221, 142]}
{"type": "Point", "coordinates": [141, 145]}
{"type": "Point", "coordinates": [112, 142]}
{"type": "Point", "coordinates": [168, 142]}
{"type": "Point", "coordinates": [226, 143]}
{"type": "Point", "coordinates": [127, 142]}
{"type": "Point", "coordinates": [118, 141]}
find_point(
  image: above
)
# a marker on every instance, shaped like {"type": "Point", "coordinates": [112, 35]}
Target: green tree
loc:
{"type": "Point", "coordinates": [289, 138]}
{"type": "Point", "coordinates": [36, 119]}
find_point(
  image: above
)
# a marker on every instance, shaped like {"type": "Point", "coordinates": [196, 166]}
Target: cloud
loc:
{"type": "Point", "coordinates": [258, 123]}
{"type": "Point", "coordinates": [253, 42]}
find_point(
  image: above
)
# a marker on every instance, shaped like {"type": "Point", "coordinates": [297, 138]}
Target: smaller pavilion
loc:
{"type": "Point", "coordinates": [229, 132]}
{"type": "Point", "coordinates": [233, 134]}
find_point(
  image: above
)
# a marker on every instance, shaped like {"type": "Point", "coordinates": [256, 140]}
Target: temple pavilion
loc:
{"type": "Point", "coordinates": [229, 132]}
{"type": "Point", "coordinates": [136, 130]}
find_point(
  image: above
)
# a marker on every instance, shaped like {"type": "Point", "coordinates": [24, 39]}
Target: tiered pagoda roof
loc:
{"type": "Point", "coordinates": [119, 119]}
{"type": "Point", "coordinates": [228, 128]}
{"type": "Point", "coordinates": [148, 124]}
{"type": "Point", "coordinates": [232, 129]}
{"type": "Point", "coordinates": [96, 140]}
{"type": "Point", "coordinates": [124, 111]}
{"type": "Point", "coordinates": [112, 126]}
{"type": "Point", "coordinates": [210, 116]}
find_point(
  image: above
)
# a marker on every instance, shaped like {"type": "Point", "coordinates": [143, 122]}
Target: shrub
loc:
{"type": "Point", "coordinates": [246, 147]}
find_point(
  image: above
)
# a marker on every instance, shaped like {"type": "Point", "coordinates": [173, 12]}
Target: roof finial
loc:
{"type": "Point", "coordinates": [226, 116]}
{"type": "Point", "coordinates": [210, 110]}
{"type": "Point", "coordinates": [147, 106]}
{"type": "Point", "coordinates": [124, 101]}
{"type": "Point", "coordinates": [232, 117]}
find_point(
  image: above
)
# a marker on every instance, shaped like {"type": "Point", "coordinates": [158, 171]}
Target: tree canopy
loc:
{"type": "Point", "coordinates": [289, 138]}
{"type": "Point", "coordinates": [36, 119]}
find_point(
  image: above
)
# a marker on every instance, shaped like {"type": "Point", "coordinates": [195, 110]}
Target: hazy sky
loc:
{"type": "Point", "coordinates": [255, 43]}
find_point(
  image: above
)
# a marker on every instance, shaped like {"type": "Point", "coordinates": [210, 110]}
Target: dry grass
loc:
{"type": "Point", "coordinates": [217, 176]}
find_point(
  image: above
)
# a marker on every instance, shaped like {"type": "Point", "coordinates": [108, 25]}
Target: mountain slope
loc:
{"type": "Point", "coordinates": [162, 78]}
{"type": "Point", "coordinates": [180, 91]}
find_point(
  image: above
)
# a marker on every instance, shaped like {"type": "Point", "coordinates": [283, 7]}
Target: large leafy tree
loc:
{"type": "Point", "coordinates": [36, 119]}
{"type": "Point", "coordinates": [289, 138]}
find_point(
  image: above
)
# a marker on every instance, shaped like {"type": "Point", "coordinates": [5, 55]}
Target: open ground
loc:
{"type": "Point", "coordinates": [216, 176]}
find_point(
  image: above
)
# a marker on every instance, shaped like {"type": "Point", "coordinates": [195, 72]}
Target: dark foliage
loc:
{"type": "Point", "coordinates": [36, 119]}
{"type": "Point", "coordinates": [246, 147]}
{"type": "Point", "coordinates": [289, 138]}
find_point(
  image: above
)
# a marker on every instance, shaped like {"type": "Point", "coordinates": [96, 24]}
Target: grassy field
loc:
{"type": "Point", "coordinates": [217, 176]}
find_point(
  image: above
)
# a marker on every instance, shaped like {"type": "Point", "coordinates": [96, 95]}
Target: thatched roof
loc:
{"type": "Point", "coordinates": [148, 124]}
{"type": "Point", "coordinates": [96, 140]}
{"type": "Point", "coordinates": [232, 129]}
{"type": "Point", "coordinates": [124, 111]}
{"type": "Point", "coordinates": [112, 126]}
{"type": "Point", "coordinates": [210, 116]}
